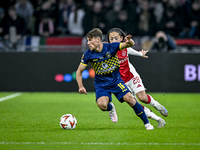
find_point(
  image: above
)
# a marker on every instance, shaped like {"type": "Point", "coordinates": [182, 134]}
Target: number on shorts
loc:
{"type": "Point", "coordinates": [122, 87]}
{"type": "Point", "coordinates": [136, 80]}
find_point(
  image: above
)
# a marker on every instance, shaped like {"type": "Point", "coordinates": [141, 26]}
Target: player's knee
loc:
{"type": "Point", "coordinates": [102, 105]}
{"type": "Point", "coordinates": [143, 98]}
{"type": "Point", "coordinates": [129, 99]}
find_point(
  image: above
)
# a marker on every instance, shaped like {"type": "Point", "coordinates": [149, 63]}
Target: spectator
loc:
{"type": "Point", "coordinates": [158, 11]}
{"type": "Point", "coordinates": [75, 21]}
{"type": "Point", "coordinates": [49, 7]}
{"type": "Point", "coordinates": [25, 10]}
{"type": "Point", "coordinates": [130, 6]}
{"type": "Point", "coordinates": [178, 8]}
{"type": "Point", "coordinates": [88, 4]}
{"type": "Point", "coordinates": [123, 23]}
{"type": "Point", "coordinates": [191, 27]}
{"type": "Point", "coordinates": [65, 8]}
{"type": "Point", "coordinates": [165, 3]}
{"type": "Point", "coordinates": [145, 20]}
{"type": "Point", "coordinates": [161, 5]}
{"type": "Point", "coordinates": [14, 27]}
{"type": "Point", "coordinates": [95, 19]}
{"type": "Point", "coordinates": [107, 4]}
{"type": "Point", "coordinates": [46, 26]}
{"type": "Point", "coordinates": [112, 15]}
{"type": "Point", "coordinates": [171, 22]}
{"type": "Point", "coordinates": [163, 43]}
{"type": "Point", "coordinates": [2, 14]}
{"type": "Point", "coordinates": [53, 12]}
{"type": "Point", "coordinates": [177, 5]}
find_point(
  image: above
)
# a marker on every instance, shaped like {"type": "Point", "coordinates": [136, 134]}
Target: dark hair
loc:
{"type": "Point", "coordinates": [96, 32]}
{"type": "Point", "coordinates": [118, 30]}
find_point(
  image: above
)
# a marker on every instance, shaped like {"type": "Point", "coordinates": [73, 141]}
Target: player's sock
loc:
{"type": "Point", "coordinates": [157, 106]}
{"type": "Point", "coordinates": [109, 107]}
{"type": "Point", "coordinates": [150, 114]}
{"type": "Point", "coordinates": [140, 112]}
{"type": "Point", "coordinates": [151, 100]}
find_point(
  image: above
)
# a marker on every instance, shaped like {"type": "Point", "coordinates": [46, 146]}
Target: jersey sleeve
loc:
{"type": "Point", "coordinates": [131, 51]}
{"type": "Point", "coordinates": [84, 59]}
{"type": "Point", "coordinates": [120, 46]}
{"type": "Point", "coordinates": [115, 46]}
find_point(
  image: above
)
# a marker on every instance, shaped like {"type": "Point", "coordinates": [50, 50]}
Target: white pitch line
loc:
{"type": "Point", "coordinates": [96, 143]}
{"type": "Point", "coordinates": [10, 96]}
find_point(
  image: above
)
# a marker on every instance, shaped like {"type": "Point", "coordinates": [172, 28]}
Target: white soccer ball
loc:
{"type": "Point", "coordinates": [68, 121]}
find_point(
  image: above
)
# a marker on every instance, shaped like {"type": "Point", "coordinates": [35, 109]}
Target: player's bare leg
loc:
{"type": "Point", "coordinates": [129, 99]}
{"type": "Point", "coordinates": [148, 99]}
{"type": "Point", "coordinates": [104, 104]}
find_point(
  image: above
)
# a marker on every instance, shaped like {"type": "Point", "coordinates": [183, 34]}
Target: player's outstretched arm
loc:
{"type": "Point", "coordinates": [128, 42]}
{"type": "Point", "coordinates": [79, 79]}
{"type": "Point", "coordinates": [144, 53]}
{"type": "Point", "coordinates": [134, 52]}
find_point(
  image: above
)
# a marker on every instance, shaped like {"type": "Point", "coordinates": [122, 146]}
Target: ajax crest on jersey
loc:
{"type": "Point", "coordinates": [68, 121]}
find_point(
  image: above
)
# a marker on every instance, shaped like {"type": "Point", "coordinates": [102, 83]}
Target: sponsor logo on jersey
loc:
{"type": "Point", "coordinates": [95, 60]}
{"type": "Point", "coordinates": [104, 65]}
{"type": "Point", "coordinates": [108, 55]}
{"type": "Point", "coordinates": [123, 60]}
{"type": "Point", "coordinates": [123, 53]}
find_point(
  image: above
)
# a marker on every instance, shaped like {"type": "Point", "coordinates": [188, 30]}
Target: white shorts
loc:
{"type": "Point", "coordinates": [135, 85]}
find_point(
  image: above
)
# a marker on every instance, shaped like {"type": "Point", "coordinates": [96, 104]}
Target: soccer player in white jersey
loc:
{"type": "Point", "coordinates": [132, 78]}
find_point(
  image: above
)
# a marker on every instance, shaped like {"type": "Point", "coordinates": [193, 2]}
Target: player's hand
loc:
{"type": "Point", "coordinates": [129, 41]}
{"type": "Point", "coordinates": [144, 53]}
{"type": "Point", "coordinates": [82, 90]}
{"type": "Point", "coordinates": [128, 38]}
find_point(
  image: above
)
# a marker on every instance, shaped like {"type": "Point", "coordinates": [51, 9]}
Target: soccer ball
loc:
{"type": "Point", "coordinates": [68, 121]}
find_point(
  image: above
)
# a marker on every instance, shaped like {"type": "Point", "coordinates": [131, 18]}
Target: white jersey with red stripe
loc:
{"type": "Point", "coordinates": [127, 71]}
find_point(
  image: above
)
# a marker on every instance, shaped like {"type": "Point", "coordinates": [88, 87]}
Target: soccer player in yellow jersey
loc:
{"type": "Point", "coordinates": [103, 59]}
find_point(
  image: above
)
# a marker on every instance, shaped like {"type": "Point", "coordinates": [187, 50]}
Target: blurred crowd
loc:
{"type": "Point", "coordinates": [178, 18]}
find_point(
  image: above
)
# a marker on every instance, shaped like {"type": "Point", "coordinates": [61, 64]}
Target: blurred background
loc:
{"type": "Point", "coordinates": [60, 25]}
{"type": "Point", "coordinates": [41, 41]}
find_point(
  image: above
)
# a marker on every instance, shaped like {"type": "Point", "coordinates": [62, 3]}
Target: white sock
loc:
{"type": "Point", "coordinates": [153, 102]}
{"type": "Point", "coordinates": [150, 114]}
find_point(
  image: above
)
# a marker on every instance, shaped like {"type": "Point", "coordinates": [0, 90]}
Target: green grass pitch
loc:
{"type": "Point", "coordinates": [31, 122]}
